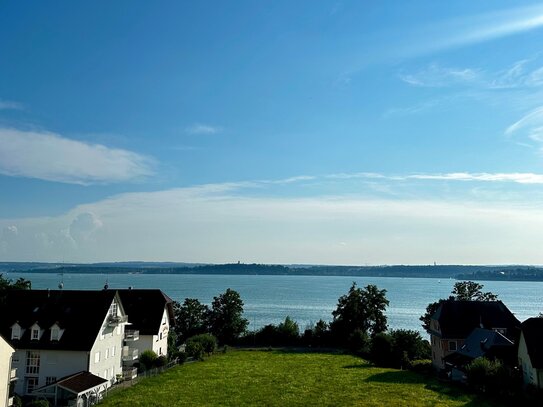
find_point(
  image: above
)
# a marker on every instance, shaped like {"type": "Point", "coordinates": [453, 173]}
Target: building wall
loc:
{"type": "Point", "coordinates": [6, 351]}
{"type": "Point", "coordinates": [441, 348]}
{"type": "Point", "coordinates": [529, 374]}
{"type": "Point", "coordinates": [106, 354]}
{"type": "Point", "coordinates": [155, 342]}
{"type": "Point", "coordinates": [53, 363]}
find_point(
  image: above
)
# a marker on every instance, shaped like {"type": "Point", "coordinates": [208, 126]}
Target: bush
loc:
{"type": "Point", "coordinates": [484, 374]}
{"type": "Point", "coordinates": [195, 350]}
{"type": "Point", "coordinates": [381, 349]}
{"type": "Point", "coordinates": [423, 366]}
{"type": "Point", "coordinates": [359, 342]}
{"type": "Point", "coordinates": [147, 360]}
{"type": "Point", "coordinates": [207, 341]}
{"type": "Point", "coordinates": [161, 361]}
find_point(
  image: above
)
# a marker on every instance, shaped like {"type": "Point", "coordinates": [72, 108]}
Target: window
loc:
{"type": "Point", "coordinates": [452, 345]}
{"type": "Point", "coordinates": [50, 380]}
{"type": "Point", "coordinates": [160, 351]}
{"type": "Point", "coordinates": [32, 362]}
{"type": "Point", "coordinates": [107, 354]}
{"type": "Point", "coordinates": [35, 334]}
{"type": "Point", "coordinates": [16, 332]}
{"type": "Point", "coordinates": [15, 358]}
{"type": "Point", "coordinates": [113, 309]}
{"type": "Point", "coordinates": [97, 357]}
{"type": "Point", "coordinates": [161, 336]}
{"type": "Point", "coordinates": [31, 384]}
{"type": "Point", "coordinates": [113, 351]}
{"type": "Point", "coordinates": [55, 334]}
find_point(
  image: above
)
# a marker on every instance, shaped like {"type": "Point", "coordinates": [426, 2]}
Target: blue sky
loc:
{"type": "Point", "coordinates": [278, 132]}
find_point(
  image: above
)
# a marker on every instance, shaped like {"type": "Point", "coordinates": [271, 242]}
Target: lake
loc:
{"type": "Point", "coordinates": [306, 299]}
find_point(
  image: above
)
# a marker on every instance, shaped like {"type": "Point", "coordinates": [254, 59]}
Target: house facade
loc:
{"type": "Point", "coordinates": [530, 352]}
{"type": "Point", "coordinates": [151, 317]}
{"type": "Point", "coordinates": [7, 373]}
{"type": "Point", "coordinates": [455, 320]}
{"type": "Point", "coordinates": [56, 334]}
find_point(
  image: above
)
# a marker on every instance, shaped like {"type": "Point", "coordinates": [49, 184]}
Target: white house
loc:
{"type": "Point", "coordinates": [57, 334]}
{"type": "Point", "coordinates": [7, 373]}
{"type": "Point", "coordinates": [151, 316]}
{"type": "Point", "coordinates": [530, 351]}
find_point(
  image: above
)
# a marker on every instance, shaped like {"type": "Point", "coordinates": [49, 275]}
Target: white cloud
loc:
{"type": "Point", "coordinates": [10, 105]}
{"type": "Point", "coordinates": [470, 30]}
{"type": "Point", "coordinates": [520, 178]}
{"type": "Point", "coordinates": [51, 157]}
{"type": "Point", "coordinates": [438, 76]}
{"type": "Point", "coordinates": [216, 223]}
{"type": "Point", "coordinates": [199, 128]}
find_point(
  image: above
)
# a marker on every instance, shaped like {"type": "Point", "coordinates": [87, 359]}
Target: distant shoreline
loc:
{"type": "Point", "coordinates": [458, 272]}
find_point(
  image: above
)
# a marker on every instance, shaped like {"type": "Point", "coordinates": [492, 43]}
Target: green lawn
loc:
{"type": "Point", "coordinates": [282, 378]}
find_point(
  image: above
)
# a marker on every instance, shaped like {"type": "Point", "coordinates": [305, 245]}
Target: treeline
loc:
{"type": "Point", "coordinates": [459, 272]}
{"type": "Point", "coordinates": [359, 325]}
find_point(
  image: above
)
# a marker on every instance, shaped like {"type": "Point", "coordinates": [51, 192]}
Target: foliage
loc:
{"type": "Point", "coordinates": [226, 317]}
{"type": "Point", "coordinates": [485, 374]}
{"type": "Point", "coordinates": [279, 378]}
{"type": "Point", "coordinates": [19, 284]}
{"type": "Point", "coordinates": [195, 350]}
{"type": "Point", "coordinates": [289, 330]}
{"type": "Point", "coordinates": [358, 342]}
{"type": "Point", "coordinates": [147, 359]}
{"type": "Point", "coordinates": [191, 318]}
{"type": "Point", "coordinates": [381, 349]}
{"type": "Point", "coordinates": [408, 345]}
{"type": "Point", "coordinates": [208, 342]}
{"type": "Point", "coordinates": [471, 291]}
{"type": "Point", "coordinates": [173, 351]}
{"type": "Point", "coordinates": [462, 291]}
{"type": "Point", "coordinates": [160, 361]}
{"type": "Point", "coordinates": [360, 309]}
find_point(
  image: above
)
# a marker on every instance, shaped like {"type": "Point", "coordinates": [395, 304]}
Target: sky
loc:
{"type": "Point", "coordinates": [312, 132]}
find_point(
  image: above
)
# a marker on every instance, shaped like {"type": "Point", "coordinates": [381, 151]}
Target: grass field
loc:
{"type": "Point", "coordinates": [282, 378]}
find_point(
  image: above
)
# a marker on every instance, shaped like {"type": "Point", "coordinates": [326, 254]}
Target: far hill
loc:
{"type": "Point", "coordinates": [463, 272]}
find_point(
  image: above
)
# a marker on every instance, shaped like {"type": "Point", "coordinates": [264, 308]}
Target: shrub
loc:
{"type": "Point", "coordinates": [161, 361]}
{"type": "Point", "coordinates": [147, 360]}
{"type": "Point", "coordinates": [38, 403]}
{"type": "Point", "coordinates": [359, 342]}
{"type": "Point", "coordinates": [381, 349]}
{"type": "Point", "coordinates": [195, 350]}
{"type": "Point", "coordinates": [207, 341]}
{"type": "Point", "coordinates": [423, 366]}
{"type": "Point", "coordinates": [483, 373]}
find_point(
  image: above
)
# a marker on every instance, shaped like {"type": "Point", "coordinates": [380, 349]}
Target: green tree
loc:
{"type": "Point", "coordinates": [360, 309]}
{"type": "Point", "coordinates": [288, 331]}
{"type": "Point", "coordinates": [226, 317]}
{"type": "Point", "coordinates": [471, 291]}
{"type": "Point", "coordinates": [19, 284]}
{"type": "Point", "coordinates": [207, 341]}
{"type": "Point", "coordinates": [462, 291]}
{"type": "Point", "coordinates": [191, 318]}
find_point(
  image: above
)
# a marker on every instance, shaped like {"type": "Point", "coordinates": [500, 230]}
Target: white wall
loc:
{"type": "Point", "coordinates": [106, 354]}
{"type": "Point", "coordinates": [153, 342]}
{"type": "Point", "coordinates": [5, 368]}
{"type": "Point", "coordinates": [53, 363]}
{"type": "Point", "coordinates": [529, 374]}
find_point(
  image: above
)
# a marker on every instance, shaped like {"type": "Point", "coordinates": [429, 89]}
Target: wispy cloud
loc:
{"type": "Point", "coordinates": [529, 129]}
{"type": "Point", "coordinates": [480, 28]}
{"type": "Point", "coordinates": [10, 105]}
{"type": "Point", "coordinates": [220, 222]}
{"type": "Point", "coordinates": [199, 128]}
{"type": "Point", "coordinates": [51, 157]}
{"type": "Point", "coordinates": [438, 76]}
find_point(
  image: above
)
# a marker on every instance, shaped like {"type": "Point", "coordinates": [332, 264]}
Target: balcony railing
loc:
{"type": "Point", "coordinates": [114, 320]}
{"type": "Point", "coordinates": [13, 374]}
{"type": "Point", "coordinates": [131, 335]}
{"type": "Point", "coordinates": [10, 401]}
{"type": "Point", "coordinates": [130, 354]}
{"type": "Point", "coordinates": [130, 373]}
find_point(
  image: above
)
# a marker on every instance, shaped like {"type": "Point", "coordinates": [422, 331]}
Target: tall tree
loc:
{"type": "Point", "coordinates": [361, 309]}
{"type": "Point", "coordinates": [462, 291]}
{"type": "Point", "coordinates": [191, 318]}
{"type": "Point", "coordinates": [226, 317]}
{"type": "Point", "coordinates": [19, 284]}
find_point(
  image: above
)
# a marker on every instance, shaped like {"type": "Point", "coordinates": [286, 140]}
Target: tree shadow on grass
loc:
{"type": "Point", "coordinates": [329, 351]}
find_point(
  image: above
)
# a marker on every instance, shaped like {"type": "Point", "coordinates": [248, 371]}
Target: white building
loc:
{"type": "Point", "coordinates": [57, 334]}
{"type": "Point", "coordinates": [7, 373]}
{"type": "Point", "coordinates": [530, 352]}
{"type": "Point", "coordinates": [151, 316]}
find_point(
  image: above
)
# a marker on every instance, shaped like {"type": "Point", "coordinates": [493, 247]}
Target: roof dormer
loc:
{"type": "Point", "coordinates": [35, 332]}
{"type": "Point", "coordinates": [16, 331]}
{"type": "Point", "coordinates": [56, 332]}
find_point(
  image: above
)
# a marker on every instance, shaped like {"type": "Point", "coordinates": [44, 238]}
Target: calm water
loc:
{"type": "Point", "coordinates": [306, 299]}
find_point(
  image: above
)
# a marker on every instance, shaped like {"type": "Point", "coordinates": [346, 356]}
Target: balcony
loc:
{"type": "Point", "coordinates": [13, 374]}
{"type": "Point", "coordinates": [114, 320]}
{"type": "Point", "coordinates": [130, 373]}
{"type": "Point", "coordinates": [129, 354]}
{"type": "Point", "coordinates": [131, 335]}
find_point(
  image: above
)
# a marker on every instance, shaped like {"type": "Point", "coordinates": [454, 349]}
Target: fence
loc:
{"type": "Point", "coordinates": [148, 373]}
